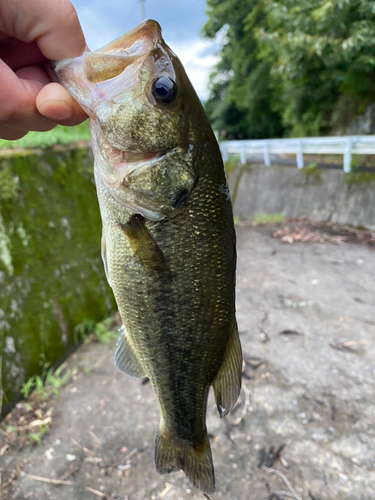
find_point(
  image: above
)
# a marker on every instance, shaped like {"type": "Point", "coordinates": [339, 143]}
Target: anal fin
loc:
{"type": "Point", "coordinates": [227, 383]}
{"type": "Point", "coordinates": [126, 360]}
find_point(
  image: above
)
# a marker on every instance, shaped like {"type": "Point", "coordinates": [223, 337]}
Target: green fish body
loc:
{"type": "Point", "coordinates": [168, 241]}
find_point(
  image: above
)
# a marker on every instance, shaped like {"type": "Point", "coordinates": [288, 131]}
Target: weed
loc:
{"type": "Point", "coordinates": [33, 418]}
{"type": "Point", "coordinates": [35, 438]}
{"type": "Point", "coordinates": [230, 166]}
{"type": "Point", "coordinates": [83, 330]}
{"type": "Point", "coordinates": [354, 165]}
{"type": "Point", "coordinates": [311, 170]}
{"type": "Point", "coordinates": [359, 177]}
{"type": "Point", "coordinates": [47, 384]}
{"type": "Point", "coordinates": [101, 331]}
{"type": "Point", "coordinates": [261, 218]}
{"type": "Point", "coordinates": [27, 387]}
{"type": "Point", "coordinates": [27, 406]}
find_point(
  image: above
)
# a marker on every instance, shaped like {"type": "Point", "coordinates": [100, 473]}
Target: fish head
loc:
{"type": "Point", "coordinates": [139, 100]}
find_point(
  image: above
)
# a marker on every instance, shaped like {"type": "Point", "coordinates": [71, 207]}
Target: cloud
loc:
{"type": "Point", "coordinates": [198, 67]}
{"type": "Point", "coordinates": [181, 22]}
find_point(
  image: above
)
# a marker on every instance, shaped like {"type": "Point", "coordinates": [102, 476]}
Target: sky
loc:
{"type": "Point", "coordinates": [181, 22]}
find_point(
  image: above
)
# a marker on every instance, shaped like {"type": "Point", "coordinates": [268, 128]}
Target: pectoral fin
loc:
{"type": "Point", "coordinates": [144, 247]}
{"type": "Point", "coordinates": [126, 360]}
{"type": "Point", "coordinates": [227, 383]}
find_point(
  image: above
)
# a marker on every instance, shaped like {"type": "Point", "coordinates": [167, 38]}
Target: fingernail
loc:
{"type": "Point", "coordinates": [56, 109]}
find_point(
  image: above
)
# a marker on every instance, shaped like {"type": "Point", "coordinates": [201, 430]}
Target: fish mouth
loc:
{"type": "Point", "coordinates": [111, 60]}
{"type": "Point", "coordinates": [91, 77]}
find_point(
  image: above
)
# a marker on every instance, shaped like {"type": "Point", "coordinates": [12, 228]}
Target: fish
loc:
{"type": "Point", "coordinates": [168, 242]}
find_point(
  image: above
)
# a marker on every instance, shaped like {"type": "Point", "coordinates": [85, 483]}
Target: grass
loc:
{"type": "Point", "coordinates": [47, 384]}
{"type": "Point", "coordinates": [27, 423]}
{"type": "Point", "coordinates": [262, 218]}
{"type": "Point", "coordinates": [59, 135]}
{"type": "Point", "coordinates": [90, 330]}
{"type": "Point", "coordinates": [31, 419]}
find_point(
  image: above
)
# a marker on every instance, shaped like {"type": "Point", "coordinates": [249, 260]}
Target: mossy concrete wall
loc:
{"type": "Point", "coordinates": [326, 195]}
{"type": "Point", "coordinates": [51, 274]}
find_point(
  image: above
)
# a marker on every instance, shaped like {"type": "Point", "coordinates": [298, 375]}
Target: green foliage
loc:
{"type": "Point", "coordinates": [354, 165]}
{"type": "Point", "coordinates": [28, 387]}
{"type": "Point", "coordinates": [100, 330]}
{"type": "Point", "coordinates": [261, 218]}
{"type": "Point", "coordinates": [83, 330]}
{"type": "Point", "coordinates": [59, 135]}
{"type": "Point", "coordinates": [311, 170]}
{"type": "Point", "coordinates": [291, 67]}
{"type": "Point", "coordinates": [35, 438]}
{"type": "Point", "coordinates": [359, 178]}
{"type": "Point", "coordinates": [103, 333]}
{"type": "Point", "coordinates": [241, 100]}
{"type": "Point", "coordinates": [230, 166]}
{"type": "Point", "coordinates": [8, 184]}
{"type": "Point", "coordinates": [47, 384]}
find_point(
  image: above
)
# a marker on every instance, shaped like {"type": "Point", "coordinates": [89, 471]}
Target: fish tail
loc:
{"type": "Point", "coordinates": [195, 461]}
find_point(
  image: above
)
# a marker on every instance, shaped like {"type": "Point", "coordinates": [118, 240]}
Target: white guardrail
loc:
{"type": "Point", "coordinates": [345, 145]}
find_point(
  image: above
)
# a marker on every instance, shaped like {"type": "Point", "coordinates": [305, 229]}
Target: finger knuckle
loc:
{"type": "Point", "coordinates": [10, 111]}
{"type": "Point", "coordinates": [69, 12]}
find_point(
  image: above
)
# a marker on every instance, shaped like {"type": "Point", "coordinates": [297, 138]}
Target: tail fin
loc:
{"type": "Point", "coordinates": [196, 462]}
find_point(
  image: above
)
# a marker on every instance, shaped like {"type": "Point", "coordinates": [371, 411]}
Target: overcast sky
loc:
{"type": "Point", "coordinates": [181, 21]}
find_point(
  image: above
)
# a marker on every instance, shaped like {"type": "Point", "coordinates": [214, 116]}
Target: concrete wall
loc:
{"type": "Point", "coordinates": [51, 274]}
{"type": "Point", "coordinates": [326, 195]}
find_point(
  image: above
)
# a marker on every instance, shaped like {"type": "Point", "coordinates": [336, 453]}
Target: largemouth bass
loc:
{"type": "Point", "coordinates": [168, 242]}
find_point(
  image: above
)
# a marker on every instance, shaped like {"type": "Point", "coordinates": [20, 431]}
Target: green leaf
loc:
{"type": "Point", "coordinates": [35, 438]}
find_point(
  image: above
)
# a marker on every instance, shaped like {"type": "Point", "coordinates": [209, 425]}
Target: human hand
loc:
{"type": "Point", "coordinates": [32, 32]}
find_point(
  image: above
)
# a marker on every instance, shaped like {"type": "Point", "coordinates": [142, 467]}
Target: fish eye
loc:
{"type": "Point", "coordinates": [164, 90]}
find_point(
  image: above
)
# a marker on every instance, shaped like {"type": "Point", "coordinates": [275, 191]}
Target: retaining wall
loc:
{"type": "Point", "coordinates": [325, 195]}
{"type": "Point", "coordinates": [51, 274]}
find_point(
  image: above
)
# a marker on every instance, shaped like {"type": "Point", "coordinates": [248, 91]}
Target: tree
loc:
{"type": "Point", "coordinates": [241, 99]}
{"type": "Point", "coordinates": [323, 54]}
{"type": "Point", "coordinates": [315, 58]}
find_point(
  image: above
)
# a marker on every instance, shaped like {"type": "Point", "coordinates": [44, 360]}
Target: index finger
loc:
{"type": "Point", "coordinates": [53, 24]}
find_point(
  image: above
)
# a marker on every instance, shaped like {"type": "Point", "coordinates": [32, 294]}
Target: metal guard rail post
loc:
{"type": "Point", "coordinates": [345, 145]}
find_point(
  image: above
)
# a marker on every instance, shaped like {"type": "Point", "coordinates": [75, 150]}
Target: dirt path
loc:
{"type": "Point", "coordinates": [306, 316]}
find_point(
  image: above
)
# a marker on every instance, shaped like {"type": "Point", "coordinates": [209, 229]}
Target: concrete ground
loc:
{"type": "Point", "coordinates": [306, 315]}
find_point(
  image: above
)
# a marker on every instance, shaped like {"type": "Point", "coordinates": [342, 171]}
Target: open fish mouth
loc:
{"type": "Point", "coordinates": [105, 64]}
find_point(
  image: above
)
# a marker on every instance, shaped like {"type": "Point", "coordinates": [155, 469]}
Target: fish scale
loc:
{"type": "Point", "coordinates": [168, 238]}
